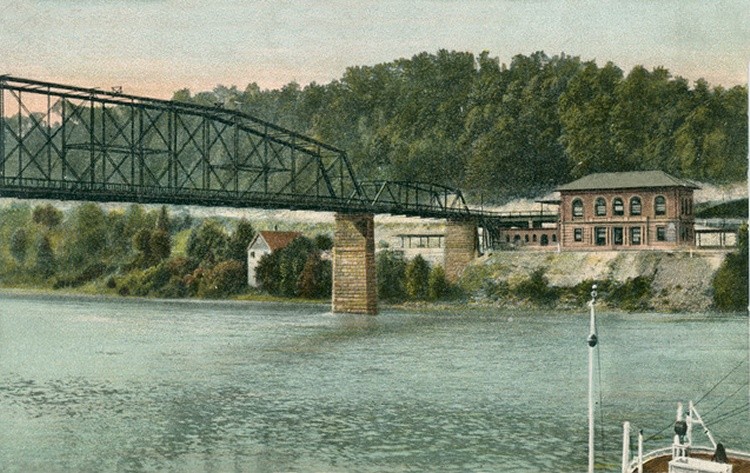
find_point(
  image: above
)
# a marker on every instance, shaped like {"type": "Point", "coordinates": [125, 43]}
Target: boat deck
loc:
{"type": "Point", "coordinates": [661, 464]}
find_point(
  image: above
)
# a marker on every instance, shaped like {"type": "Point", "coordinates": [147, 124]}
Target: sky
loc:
{"type": "Point", "coordinates": [155, 47]}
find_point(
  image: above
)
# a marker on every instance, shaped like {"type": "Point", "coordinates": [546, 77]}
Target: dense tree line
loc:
{"type": "Point", "coordinates": [133, 252]}
{"type": "Point", "coordinates": [498, 131]}
{"type": "Point", "coordinates": [127, 250]}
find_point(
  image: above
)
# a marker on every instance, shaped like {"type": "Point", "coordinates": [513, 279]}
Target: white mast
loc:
{"type": "Point", "coordinates": [591, 341]}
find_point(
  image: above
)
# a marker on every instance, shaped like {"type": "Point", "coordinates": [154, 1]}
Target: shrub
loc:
{"type": "Point", "coordinates": [225, 279]}
{"type": "Point", "coordinates": [633, 294]}
{"type": "Point", "coordinates": [391, 273]}
{"type": "Point", "coordinates": [730, 283]}
{"type": "Point", "coordinates": [437, 285]}
{"type": "Point", "coordinates": [417, 278]}
{"type": "Point", "coordinates": [536, 288]}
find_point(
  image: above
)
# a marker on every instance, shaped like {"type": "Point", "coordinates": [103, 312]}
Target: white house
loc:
{"type": "Point", "coordinates": [263, 244]}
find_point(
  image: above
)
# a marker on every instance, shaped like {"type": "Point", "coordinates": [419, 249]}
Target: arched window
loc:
{"type": "Point", "coordinates": [544, 241]}
{"type": "Point", "coordinates": [577, 208]}
{"type": "Point", "coordinates": [554, 238]}
{"type": "Point", "coordinates": [600, 207]}
{"type": "Point", "coordinates": [618, 207]}
{"type": "Point", "coordinates": [635, 206]}
{"type": "Point", "coordinates": [533, 238]}
{"type": "Point", "coordinates": [660, 205]}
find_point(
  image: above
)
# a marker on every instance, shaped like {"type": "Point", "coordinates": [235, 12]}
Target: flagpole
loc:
{"type": "Point", "coordinates": [591, 341]}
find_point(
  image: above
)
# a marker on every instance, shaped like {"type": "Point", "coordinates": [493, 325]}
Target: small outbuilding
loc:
{"type": "Point", "coordinates": [265, 243]}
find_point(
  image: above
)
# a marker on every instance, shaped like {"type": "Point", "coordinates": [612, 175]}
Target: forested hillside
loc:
{"type": "Point", "coordinates": [500, 131]}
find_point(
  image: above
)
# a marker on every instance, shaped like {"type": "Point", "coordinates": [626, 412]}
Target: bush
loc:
{"type": "Point", "coordinates": [225, 279]}
{"type": "Point", "coordinates": [536, 288]}
{"type": "Point", "coordinates": [730, 282]}
{"type": "Point", "coordinates": [417, 278]}
{"type": "Point", "coordinates": [437, 285]}
{"type": "Point", "coordinates": [391, 272]}
{"type": "Point", "coordinates": [633, 294]}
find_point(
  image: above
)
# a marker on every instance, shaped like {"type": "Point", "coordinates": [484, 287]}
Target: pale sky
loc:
{"type": "Point", "coordinates": [154, 47]}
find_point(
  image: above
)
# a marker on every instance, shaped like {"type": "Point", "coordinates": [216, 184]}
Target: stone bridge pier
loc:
{"type": "Point", "coordinates": [355, 285]}
{"type": "Point", "coordinates": [461, 247]}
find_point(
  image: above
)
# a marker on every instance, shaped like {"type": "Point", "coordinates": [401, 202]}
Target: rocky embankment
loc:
{"type": "Point", "coordinates": [679, 281]}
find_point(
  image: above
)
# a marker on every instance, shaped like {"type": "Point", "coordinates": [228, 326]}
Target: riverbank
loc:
{"type": "Point", "coordinates": [627, 281]}
{"type": "Point", "coordinates": [662, 281]}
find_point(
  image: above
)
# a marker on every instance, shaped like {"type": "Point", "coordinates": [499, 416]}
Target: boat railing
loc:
{"type": "Point", "coordinates": [633, 467]}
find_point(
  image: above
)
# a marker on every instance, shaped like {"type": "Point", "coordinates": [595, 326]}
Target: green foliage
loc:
{"type": "Point", "coordinates": [207, 243]}
{"type": "Point", "coordinates": [239, 241]}
{"type": "Point", "coordinates": [634, 294]}
{"type": "Point", "coordinates": [323, 242]}
{"type": "Point", "coordinates": [19, 243]}
{"type": "Point", "coordinates": [47, 215]}
{"type": "Point", "coordinates": [224, 279]}
{"type": "Point", "coordinates": [730, 283]}
{"type": "Point", "coordinates": [316, 277]}
{"type": "Point", "coordinates": [45, 257]}
{"type": "Point", "coordinates": [437, 285]}
{"type": "Point", "coordinates": [295, 271]}
{"type": "Point", "coordinates": [535, 288]}
{"type": "Point", "coordinates": [417, 278]}
{"type": "Point", "coordinates": [391, 273]}
{"type": "Point", "coordinates": [498, 131]}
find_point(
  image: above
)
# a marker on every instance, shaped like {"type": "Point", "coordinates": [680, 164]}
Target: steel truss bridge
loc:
{"type": "Point", "coordinates": [71, 143]}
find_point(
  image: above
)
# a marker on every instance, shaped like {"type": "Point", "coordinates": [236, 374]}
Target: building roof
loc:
{"type": "Point", "coordinates": [276, 240]}
{"type": "Point", "coordinates": [626, 180]}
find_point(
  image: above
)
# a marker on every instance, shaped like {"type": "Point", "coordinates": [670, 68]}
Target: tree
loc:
{"type": "Point", "coordinates": [47, 215]}
{"type": "Point", "coordinates": [239, 241]}
{"type": "Point", "coordinates": [160, 245]}
{"type": "Point", "coordinates": [19, 243]}
{"type": "Point", "coordinates": [163, 222]}
{"type": "Point", "coordinates": [207, 243]}
{"type": "Point", "coordinates": [391, 274]}
{"type": "Point", "coordinates": [417, 274]}
{"type": "Point", "coordinates": [437, 286]}
{"type": "Point", "coordinates": [224, 279]}
{"type": "Point", "coordinates": [730, 282]}
{"type": "Point", "coordinates": [312, 280]}
{"type": "Point", "coordinates": [45, 257]}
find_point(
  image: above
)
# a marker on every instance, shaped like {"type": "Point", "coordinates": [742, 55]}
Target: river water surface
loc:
{"type": "Point", "coordinates": [90, 385]}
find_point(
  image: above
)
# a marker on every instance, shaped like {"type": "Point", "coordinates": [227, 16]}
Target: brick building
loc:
{"type": "Point", "coordinates": [627, 210]}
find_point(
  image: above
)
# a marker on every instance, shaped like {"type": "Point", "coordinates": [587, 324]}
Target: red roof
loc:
{"type": "Point", "coordinates": [278, 240]}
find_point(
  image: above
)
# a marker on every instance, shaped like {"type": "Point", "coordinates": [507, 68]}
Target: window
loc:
{"type": "Point", "coordinates": [554, 238]}
{"type": "Point", "coordinates": [600, 207]}
{"type": "Point", "coordinates": [577, 208]}
{"type": "Point", "coordinates": [635, 235]}
{"type": "Point", "coordinates": [252, 254]}
{"type": "Point", "coordinates": [617, 235]}
{"type": "Point", "coordinates": [660, 205]}
{"type": "Point", "coordinates": [526, 238]}
{"type": "Point", "coordinates": [544, 240]}
{"type": "Point", "coordinates": [601, 235]}
{"type": "Point", "coordinates": [618, 207]}
{"type": "Point", "coordinates": [578, 234]}
{"type": "Point", "coordinates": [661, 233]}
{"type": "Point", "coordinates": [635, 206]}
{"type": "Point", "coordinates": [533, 238]}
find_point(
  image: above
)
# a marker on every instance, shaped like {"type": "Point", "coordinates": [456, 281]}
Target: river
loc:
{"type": "Point", "coordinates": [94, 384]}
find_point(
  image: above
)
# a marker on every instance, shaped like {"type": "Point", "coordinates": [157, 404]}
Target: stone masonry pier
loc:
{"type": "Point", "coordinates": [355, 288]}
{"type": "Point", "coordinates": [461, 244]}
